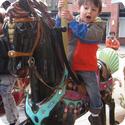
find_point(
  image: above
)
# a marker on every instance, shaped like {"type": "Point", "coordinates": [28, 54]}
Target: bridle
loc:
{"type": "Point", "coordinates": [13, 53]}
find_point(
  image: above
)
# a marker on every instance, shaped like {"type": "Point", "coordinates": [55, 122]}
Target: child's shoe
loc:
{"type": "Point", "coordinates": [94, 120]}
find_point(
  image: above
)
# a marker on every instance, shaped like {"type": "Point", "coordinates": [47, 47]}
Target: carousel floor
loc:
{"type": "Point", "coordinates": [118, 94]}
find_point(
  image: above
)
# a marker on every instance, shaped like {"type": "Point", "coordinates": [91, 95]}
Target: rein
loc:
{"type": "Point", "coordinates": [31, 62]}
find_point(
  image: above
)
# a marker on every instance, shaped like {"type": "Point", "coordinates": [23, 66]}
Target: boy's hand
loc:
{"type": "Point", "coordinates": [62, 12]}
{"type": "Point", "coordinates": [65, 13]}
{"type": "Point", "coordinates": [60, 4]}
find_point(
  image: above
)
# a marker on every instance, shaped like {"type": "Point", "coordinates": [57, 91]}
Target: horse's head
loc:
{"type": "Point", "coordinates": [32, 40]}
{"type": "Point", "coordinates": [18, 28]}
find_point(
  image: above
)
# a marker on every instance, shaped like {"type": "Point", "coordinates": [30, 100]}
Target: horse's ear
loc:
{"type": "Point", "coordinates": [24, 5]}
{"type": "Point", "coordinates": [6, 4]}
{"type": "Point", "coordinates": [43, 6]}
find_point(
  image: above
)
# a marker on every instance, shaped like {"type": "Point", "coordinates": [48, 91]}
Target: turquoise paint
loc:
{"type": "Point", "coordinates": [45, 108]}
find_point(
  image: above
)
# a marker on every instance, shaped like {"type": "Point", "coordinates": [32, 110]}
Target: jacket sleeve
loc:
{"type": "Point", "coordinates": [78, 29]}
{"type": "Point", "coordinates": [95, 32]}
{"type": "Point", "coordinates": [92, 33]}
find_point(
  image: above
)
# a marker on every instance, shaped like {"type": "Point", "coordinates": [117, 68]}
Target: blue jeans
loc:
{"type": "Point", "coordinates": [7, 83]}
{"type": "Point", "coordinates": [92, 87]}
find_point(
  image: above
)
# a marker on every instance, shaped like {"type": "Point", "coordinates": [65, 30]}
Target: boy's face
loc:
{"type": "Point", "coordinates": [88, 12]}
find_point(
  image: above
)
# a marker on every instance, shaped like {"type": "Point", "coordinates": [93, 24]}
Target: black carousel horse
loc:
{"type": "Point", "coordinates": [36, 50]}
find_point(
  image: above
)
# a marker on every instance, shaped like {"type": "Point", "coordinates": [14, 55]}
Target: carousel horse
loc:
{"type": "Point", "coordinates": [108, 63]}
{"type": "Point", "coordinates": [36, 51]}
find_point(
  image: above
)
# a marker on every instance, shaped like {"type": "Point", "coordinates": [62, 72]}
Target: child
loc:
{"type": "Point", "coordinates": [112, 42]}
{"type": "Point", "coordinates": [7, 81]}
{"type": "Point", "coordinates": [86, 31]}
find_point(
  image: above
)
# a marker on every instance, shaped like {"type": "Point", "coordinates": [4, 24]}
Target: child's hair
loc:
{"type": "Point", "coordinates": [97, 3]}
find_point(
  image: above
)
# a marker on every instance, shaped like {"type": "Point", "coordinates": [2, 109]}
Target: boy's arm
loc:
{"type": "Point", "coordinates": [78, 29]}
{"type": "Point", "coordinates": [92, 33]}
{"type": "Point", "coordinates": [95, 32]}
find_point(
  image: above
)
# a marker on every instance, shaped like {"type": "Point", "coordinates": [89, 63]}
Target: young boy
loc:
{"type": "Point", "coordinates": [86, 31]}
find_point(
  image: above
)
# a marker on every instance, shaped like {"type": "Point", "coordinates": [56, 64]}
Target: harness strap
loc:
{"type": "Point", "coordinates": [22, 20]}
{"type": "Point", "coordinates": [13, 54]}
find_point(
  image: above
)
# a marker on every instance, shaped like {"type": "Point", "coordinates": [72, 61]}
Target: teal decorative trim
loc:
{"type": "Point", "coordinates": [45, 108]}
{"type": "Point", "coordinates": [76, 103]}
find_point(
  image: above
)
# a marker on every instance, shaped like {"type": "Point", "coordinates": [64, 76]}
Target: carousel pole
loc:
{"type": "Point", "coordinates": [65, 24]}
